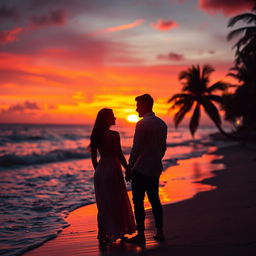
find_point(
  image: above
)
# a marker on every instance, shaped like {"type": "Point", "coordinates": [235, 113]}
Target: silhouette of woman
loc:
{"type": "Point", "coordinates": [115, 216]}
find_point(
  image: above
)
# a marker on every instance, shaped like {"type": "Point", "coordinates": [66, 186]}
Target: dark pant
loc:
{"type": "Point", "coordinates": [140, 185]}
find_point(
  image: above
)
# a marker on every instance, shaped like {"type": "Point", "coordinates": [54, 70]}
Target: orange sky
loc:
{"type": "Point", "coordinates": [61, 63]}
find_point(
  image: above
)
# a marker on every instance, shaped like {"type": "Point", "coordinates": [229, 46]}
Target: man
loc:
{"type": "Point", "coordinates": [148, 149]}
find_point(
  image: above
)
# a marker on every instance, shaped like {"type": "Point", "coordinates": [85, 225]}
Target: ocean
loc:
{"type": "Point", "coordinates": [46, 172]}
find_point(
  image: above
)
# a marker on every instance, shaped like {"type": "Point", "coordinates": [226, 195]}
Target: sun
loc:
{"type": "Point", "coordinates": [132, 118]}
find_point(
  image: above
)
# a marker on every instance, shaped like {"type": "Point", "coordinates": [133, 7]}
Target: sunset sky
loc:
{"type": "Point", "coordinates": [61, 61]}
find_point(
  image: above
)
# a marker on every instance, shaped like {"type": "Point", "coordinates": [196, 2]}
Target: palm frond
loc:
{"type": "Point", "coordinates": [177, 96]}
{"type": "Point", "coordinates": [207, 70]}
{"type": "Point", "coordinates": [248, 48]}
{"type": "Point", "coordinates": [185, 74]}
{"type": "Point", "coordinates": [181, 101]}
{"type": "Point", "coordinates": [181, 113]}
{"type": "Point", "coordinates": [194, 122]}
{"type": "Point", "coordinates": [247, 39]}
{"type": "Point", "coordinates": [211, 111]}
{"type": "Point", "coordinates": [236, 33]}
{"type": "Point", "coordinates": [216, 98]}
{"type": "Point", "coordinates": [245, 17]}
{"type": "Point", "coordinates": [218, 86]}
{"type": "Point", "coordinates": [242, 41]}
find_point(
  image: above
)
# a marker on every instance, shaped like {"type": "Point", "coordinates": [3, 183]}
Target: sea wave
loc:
{"type": "Point", "coordinates": [17, 138]}
{"type": "Point", "coordinates": [11, 160]}
{"type": "Point", "coordinates": [15, 160]}
{"type": "Point", "coordinates": [203, 141]}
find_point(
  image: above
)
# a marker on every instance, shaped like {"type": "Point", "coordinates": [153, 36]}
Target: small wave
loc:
{"type": "Point", "coordinates": [20, 138]}
{"type": "Point", "coordinates": [11, 160]}
{"type": "Point", "coordinates": [190, 142]}
{"type": "Point", "coordinates": [16, 138]}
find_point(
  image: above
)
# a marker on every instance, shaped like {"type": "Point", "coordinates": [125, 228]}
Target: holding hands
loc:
{"type": "Point", "coordinates": [128, 174]}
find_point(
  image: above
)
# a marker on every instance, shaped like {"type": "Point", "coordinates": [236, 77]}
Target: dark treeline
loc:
{"type": "Point", "coordinates": [240, 105]}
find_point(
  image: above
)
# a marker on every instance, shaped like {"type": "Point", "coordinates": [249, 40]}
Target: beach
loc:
{"type": "Point", "coordinates": [173, 81]}
{"type": "Point", "coordinates": [46, 173]}
{"type": "Point", "coordinates": [219, 221]}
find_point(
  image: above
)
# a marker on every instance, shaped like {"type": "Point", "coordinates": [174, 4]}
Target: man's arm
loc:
{"type": "Point", "coordinates": [164, 141]}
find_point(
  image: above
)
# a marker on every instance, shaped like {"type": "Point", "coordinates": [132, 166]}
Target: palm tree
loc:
{"type": "Point", "coordinates": [242, 103]}
{"type": "Point", "coordinates": [197, 93]}
{"type": "Point", "coordinates": [244, 71]}
{"type": "Point", "coordinates": [246, 44]}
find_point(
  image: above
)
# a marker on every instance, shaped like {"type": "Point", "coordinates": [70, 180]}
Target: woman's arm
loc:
{"type": "Point", "coordinates": [120, 152]}
{"type": "Point", "coordinates": [123, 160]}
{"type": "Point", "coordinates": [94, 157]}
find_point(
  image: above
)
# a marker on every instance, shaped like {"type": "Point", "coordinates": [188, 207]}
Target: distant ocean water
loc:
{"type": "Point", "coordinates": [46, 172]}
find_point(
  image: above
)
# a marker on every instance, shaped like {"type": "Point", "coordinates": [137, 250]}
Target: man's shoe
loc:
{"type": "Point", "coordinates": [137, 240]}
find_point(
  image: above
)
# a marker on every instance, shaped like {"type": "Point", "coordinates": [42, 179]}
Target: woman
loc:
{"type": "Point", "coordinates": [115, 217]}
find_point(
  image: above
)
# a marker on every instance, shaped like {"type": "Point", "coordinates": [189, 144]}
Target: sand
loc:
{"type": "Point", "coordinates": [217, 222]}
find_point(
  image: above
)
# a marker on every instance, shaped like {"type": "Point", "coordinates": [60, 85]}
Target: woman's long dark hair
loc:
{"type": "Point", "coordinates": [100, 126]}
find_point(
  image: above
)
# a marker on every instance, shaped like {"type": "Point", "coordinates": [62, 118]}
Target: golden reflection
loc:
{"type": "Point", "coordinates": [183, 181]}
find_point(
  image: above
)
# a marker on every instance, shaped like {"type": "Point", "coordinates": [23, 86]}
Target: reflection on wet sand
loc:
{"type": "Point", "coordinates": [183, 181]}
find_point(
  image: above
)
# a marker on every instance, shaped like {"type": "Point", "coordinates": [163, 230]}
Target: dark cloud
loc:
{"type": "Point", "coordinates": [8, 13]}
{"type": "Point", "coordinates": [228, 7]}
{"type": "Point", "coordinates": [61, 46]}
{"type": "Point", "coordinates": [172, 56]}
{"type": "Point", "coordinates": [52, 18]}
{"type": "Point", "coordinates": [56, 17]}
{"type": "Point", "coordinates": [27, 105]}
{"type": "Point", "coordinates": [164, 24]}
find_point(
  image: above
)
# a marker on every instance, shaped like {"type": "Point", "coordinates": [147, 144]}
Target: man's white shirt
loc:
{"type": "Point", "coordinates": [149, 145]}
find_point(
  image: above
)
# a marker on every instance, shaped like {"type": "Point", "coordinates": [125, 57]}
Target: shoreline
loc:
{"type": "Point", "coordinates": [185, 232]}
{"type": "Point", "coordinates": [221, 221]}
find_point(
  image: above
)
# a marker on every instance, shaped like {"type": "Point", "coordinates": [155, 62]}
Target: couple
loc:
{"type": "Point", "coordinates": [115, 216]}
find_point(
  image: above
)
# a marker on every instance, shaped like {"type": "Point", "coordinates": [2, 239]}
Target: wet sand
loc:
{"type": "Point", "coordinates": [80, 238]}
{"type": "Point", "coordinates": [221, 221]}
{"type": "Point", "coordinates": [216, 222]}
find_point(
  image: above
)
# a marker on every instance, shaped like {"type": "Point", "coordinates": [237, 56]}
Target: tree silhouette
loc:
{"type": "Point", "coordinates": [197, 93]}
{"type": "Point", "coordinates": [242, 104]}
{"type": "Point", "coordinates": [246, 45]}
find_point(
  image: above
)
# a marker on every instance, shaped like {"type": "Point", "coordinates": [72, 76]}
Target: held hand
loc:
{"type": "Point", "coordinates": [128, 174]}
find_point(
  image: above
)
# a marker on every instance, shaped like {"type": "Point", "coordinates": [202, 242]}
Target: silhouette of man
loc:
{"type": "Point", "coordinates": [148, 149]}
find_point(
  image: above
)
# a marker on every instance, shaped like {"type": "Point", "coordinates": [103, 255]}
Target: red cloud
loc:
{"type": "Point", "coordinates": [10, 35]}
{"type": "Point", "coordinates": [57, 17]}
{"type": "Point", "coordinates": [228, 7]}
{"type": "Point", "coordinates": [172, 56]}
{"type": "Point", "coordinates": [164, 24]}
{"type": "Point", "coordinates": [134, 24]}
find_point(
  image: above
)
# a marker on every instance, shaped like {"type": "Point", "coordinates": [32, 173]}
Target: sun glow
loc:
{"type": "Point", "coordinates": [133, 118]}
